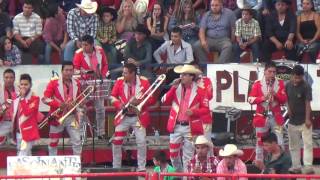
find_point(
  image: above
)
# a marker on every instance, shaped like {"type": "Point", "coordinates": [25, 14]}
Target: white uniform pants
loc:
{"type": "Point", "coordinates": [23, 148]}
{"type": "Point", "coordinates": [5, 130]}
{"type": "Point", "coordinates": [181, 138]}
{"type": "Point", "coordinates": [295, 132]}
{"type": "Point", "coordinates": [73, 129]}
{"type": "Point", "coordinates": [120, 134]}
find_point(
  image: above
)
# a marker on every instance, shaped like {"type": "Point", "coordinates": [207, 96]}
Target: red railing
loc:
{"type": "Point", "coordinates": [237, 176]}
{"type": "Point", "coordinates": [82, 175]}
{"type": "Point", "coordinates": [160, 176]}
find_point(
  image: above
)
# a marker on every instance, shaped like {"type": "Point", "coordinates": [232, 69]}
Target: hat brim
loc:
{"type": "Point", "coordinates": [182, 69]}
{"type": "Point", "coordinates": [223, 153]}
{"type": "Point", "coordinates": [89, 10]}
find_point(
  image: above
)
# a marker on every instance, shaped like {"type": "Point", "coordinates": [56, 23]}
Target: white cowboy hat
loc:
{"type": "Point", "coordinates": [190, 69]}
{"type": "Point", "coordinates": [88, 6]}
{"type": "Point", "coordinates": [203, 140]}
{"type": "Point", "coordinates": [230, 150]}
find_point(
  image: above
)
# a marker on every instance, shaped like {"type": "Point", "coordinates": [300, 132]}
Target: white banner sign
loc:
{"type": "Point", "coordinates": [231, 84]}
{"type": "Point", "coordinates": [43, 165]}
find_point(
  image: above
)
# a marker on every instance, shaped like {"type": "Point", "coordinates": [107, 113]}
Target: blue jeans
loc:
{"type": "Point", "coordinates": [111, 52]}
{"type": "Point", "coordinates": [47, 54]}
{"type": "Point", "coordinates": [69, 51]}
{"type": "Point", "coordinates": [254, 49]}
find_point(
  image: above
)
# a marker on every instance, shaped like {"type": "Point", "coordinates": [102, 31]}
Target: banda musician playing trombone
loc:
{"type": "Point", "coordinates": [189, 102]}
{"type": "Point", "coordinates": [127, 90]}
{"type": "Point", "coordinates": [268, 94]}
{"type": "Point", "coordinates": [60, 93]}
{"type": "Point", "coordinates": [92, 58]}
{"type": "Point", "coordinates": [25, 117]}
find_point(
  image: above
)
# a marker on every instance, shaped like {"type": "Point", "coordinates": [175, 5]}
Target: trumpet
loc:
{"type": "Point", "coordinates": [75, 103]}
{"type": "Point", "coordinates": [141, 96]}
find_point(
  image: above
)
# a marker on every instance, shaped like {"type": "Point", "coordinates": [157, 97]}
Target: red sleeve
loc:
{"type": "Point", "coordinates": [209, 88]}
{"type": "Point", "coordinates": [31, 107]}
{"type": "Point", "coordinates": [281, 95]}
{"type": "Point", "coordinates": [115, 94]}
{"type": "Point", "coordinates": [169, 96]}
{"type": "Point", "coordinates": [48, 94]}
{"type": "Point", "coordinates": [253, 95]}
{"type": "Point", "coordinates": [104, 68]}
{"type": "Point", "coordinates": [77, 61]}
{"type": "Point", "coordinates": [204, 104]}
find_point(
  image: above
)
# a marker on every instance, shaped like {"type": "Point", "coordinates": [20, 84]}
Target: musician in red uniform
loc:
{"type": "Point", "coordinates": [93, 58]}
{"type": "Point", "coordinates": [25, 117]}
{"type": "Point", "coordinates": [127, 88]}
{"type": "Point", "coordinates": [59, 93]}
{"type": "Point", "coordinates": [189, 103]}
{"type": "Point", "coordinates": [268, 94]}
{"type": "Point", "coordinates": [205, 83]}
{"type": "Point", "coordinates": [8, 93]}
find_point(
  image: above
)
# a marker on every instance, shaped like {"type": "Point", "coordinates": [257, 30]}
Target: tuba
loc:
{"type": "Point", "coordinates": [59, 113]}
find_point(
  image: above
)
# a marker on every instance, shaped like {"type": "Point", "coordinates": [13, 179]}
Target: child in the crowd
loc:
{"type": "Point", "coordinates": [161, 164]}
{"type": "Point", "coordinates": [107, 34]}
{"type": "Point", "coordinates": [9, 54]}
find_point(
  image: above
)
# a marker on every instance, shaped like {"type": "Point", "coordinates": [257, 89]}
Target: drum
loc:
{"type": "Point", "coordinates": [102, 88]}
{"type": "Point", "coordinates": [284, 68]}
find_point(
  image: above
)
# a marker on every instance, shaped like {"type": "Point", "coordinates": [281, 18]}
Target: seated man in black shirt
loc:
{"type": "Point", "coordinates": [277, 161]}
{"type": "Point", "coordinates": [280, 31]}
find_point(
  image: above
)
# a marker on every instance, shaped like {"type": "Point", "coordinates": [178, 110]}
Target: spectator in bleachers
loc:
{"type": "Point", "coordinates": [254, 5]}
{"type": "Point", "coordinates": [27, 30]}
{"type": "Point", "coordinates": [127, 20]}
{"type": "Point", "coordinates": [199, 6]}
{"type": "Point", "coordinates": [5, 23]}
{"type": "Point", "coordinates": [55, 32]}
{"type": "Point", "coordinates": [308, 31]}
{"type": "Point", "coordinates": [175, 51]}
{"type": "Point", "coordinates": [247, 35]}
{"type": "Point", "coordinates": [280, 30]}
{"type": "Point", "coordinates": [107, 33]}
{"type": "Point", "coordinates": [186, 19]}
{"type": "Point", "coordinates": [9, 53]}
{"type": "Point", "coordinates": [67, 5]}
{"type": "Point", "coordinates": [3, 5]}
{"type": "Point", "coordinates": [216, 33]}
{"type": "Point", "coordinates": [157, 24]}
{"type": "Point", "coordinates": [231, 162]}
{"type": "Point", "coordinates": [139, 50]}
{"type": "Point", "coordinates": [14, 7]}
{"type": "Point", "coordinates": [277, 160]}
{"type": "Point", "coordinates": [115, 4]}
{"type": "Point", "coordinates": [162, 166]}
{"type": "Point", "coordinates": [202, 161]}
{"type": "Point", "coordinates": [81, 21]}
{"type": "Point", "coordinates": [230, 4]}
{"type": "Point", "coordinates": [266, 8]}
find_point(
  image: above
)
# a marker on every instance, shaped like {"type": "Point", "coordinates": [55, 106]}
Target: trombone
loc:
{"type": "Point", "coordinates": [75, 103]}
{"type": "Point", "coordinates": [141, 96]}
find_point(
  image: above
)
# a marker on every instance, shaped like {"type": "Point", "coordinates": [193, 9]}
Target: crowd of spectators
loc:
{"type": "Point", "coordinates": [163, 31]}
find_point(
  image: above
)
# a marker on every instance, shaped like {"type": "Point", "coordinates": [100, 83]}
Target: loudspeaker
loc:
{"type": "Point", "coordinates": [106, 170]}
{"type": "Point", "coordinates": [220, 135]}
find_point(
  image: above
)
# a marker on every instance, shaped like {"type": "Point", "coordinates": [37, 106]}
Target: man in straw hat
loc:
{"type": "Point", "coordinates": [231, 163]}
{"type": "Point", "coordinates": [81, 21]}
{"type": "Point", "coordinates": [188, 102]}
{"type": "Point", "coordinates": [202, 161]}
